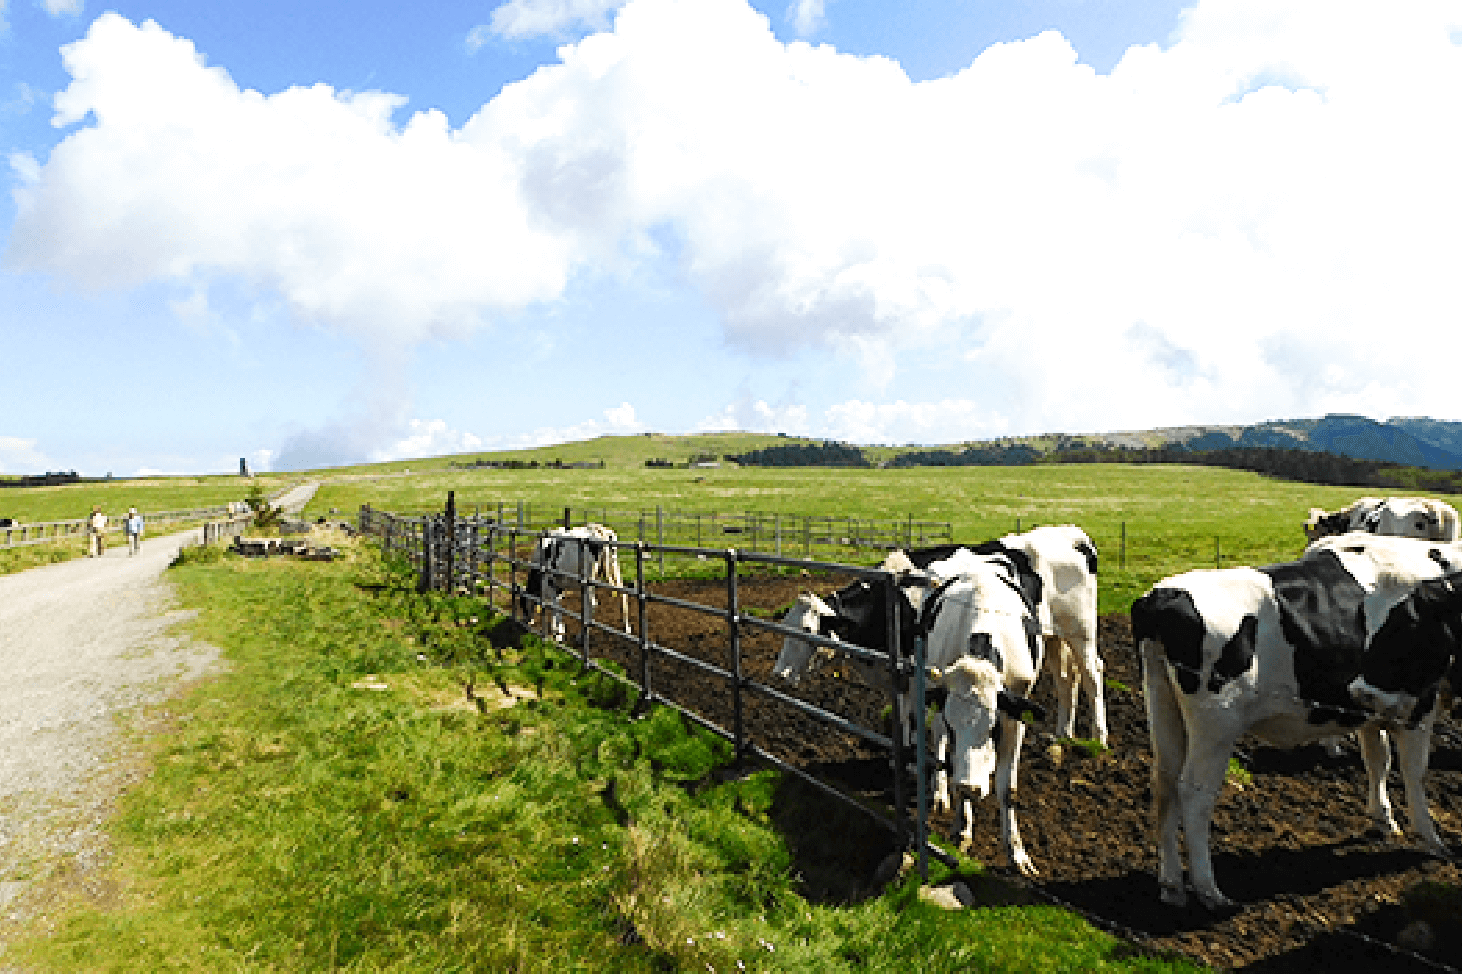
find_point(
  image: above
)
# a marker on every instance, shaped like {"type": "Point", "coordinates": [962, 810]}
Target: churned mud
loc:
{"type": "Point", "coordinates": [1294, 845]}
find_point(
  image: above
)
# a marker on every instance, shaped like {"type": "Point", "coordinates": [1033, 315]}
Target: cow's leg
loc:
{"type": "Point", "coordinates": [1203, 776]}
{"type": "Point", "coordinates": [1375, 752]}
{"type": "Point", "coordinates": [1413, 747]}
{"type": "Point", "coordinates": [1007, 757]}
{"type": "Point", "coordinates": [941, 766]}
{"type": "Point", "coordinates": [1068, 686]}
{"type": "Point", "coordinates": [1169, 750]}
{"type": "Point", "coordinates": [1084, 651]}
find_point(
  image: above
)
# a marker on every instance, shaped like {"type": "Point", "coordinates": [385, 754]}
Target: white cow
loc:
{"type": "Point", "coordinates": [1057, 569]}
{"type": "Point", "coordinates": [560, 558]}
{"type": "Point", "coordinates": [984, 647]}
{"type": "Point", "coordinates": [1402, 517]}
{"type": "Point", "coordinates": [1356, 635]}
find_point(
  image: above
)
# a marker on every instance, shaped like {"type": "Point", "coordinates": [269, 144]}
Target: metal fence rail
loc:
{"type": "Point", "coordinates": [45, 532]}
{"type": "Point", "coordinates": [789, 535]}
{"type": "Point", "coordinates": [483, 554]}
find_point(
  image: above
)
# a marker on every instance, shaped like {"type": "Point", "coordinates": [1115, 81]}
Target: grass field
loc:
{"type": "Point", "coordinates": [68, 501]}
{"type": "Point", "coordinates": [1175, 517]}
{"type": "Point", "coordinates": [331, 801]}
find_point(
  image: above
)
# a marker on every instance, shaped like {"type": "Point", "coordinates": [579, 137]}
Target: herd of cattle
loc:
{"type": "Point", "coordinates": [1362, 634]}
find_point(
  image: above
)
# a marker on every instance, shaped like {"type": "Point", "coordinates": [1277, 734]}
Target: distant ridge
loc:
{"type": "Point", "coordinates": [1416, 441]}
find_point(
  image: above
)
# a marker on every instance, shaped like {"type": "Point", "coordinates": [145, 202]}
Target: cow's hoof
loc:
{"type": "Point", "coordinates": [1174, 895]}
{"type": "Point", "coordinates": [1025, 867]}
{"type": "Point", "coordinates": [1216, 902]}
{"type": "Point", "coordinates": [1436, 848]}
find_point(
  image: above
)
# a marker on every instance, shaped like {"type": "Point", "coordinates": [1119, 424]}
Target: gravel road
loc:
{"type": "Point", "coordinates": [83, 644]}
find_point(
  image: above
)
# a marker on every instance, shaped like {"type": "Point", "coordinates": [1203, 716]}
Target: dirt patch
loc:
{"type": "Point", "coordinates": [1294, 846]}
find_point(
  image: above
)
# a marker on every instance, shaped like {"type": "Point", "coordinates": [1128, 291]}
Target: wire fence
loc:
{"type": "Point", "coordinates": [491, 557]}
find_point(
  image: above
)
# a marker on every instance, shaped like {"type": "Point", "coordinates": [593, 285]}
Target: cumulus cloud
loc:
{"type": "Point", "coordinates": [531, 18]}
{"type": "Point", "coordinates": [20, 455]}
{"type": "Point", "coordinates": [618, 421]}
{"type": "Point", "coordinates": [428, 438]}
{"type": "Point", "coordinates": [1276, 185]}
{"type": "Point", "coordinates": [757, 416]}
{"type": "Point", "coordinates": [807, 15]}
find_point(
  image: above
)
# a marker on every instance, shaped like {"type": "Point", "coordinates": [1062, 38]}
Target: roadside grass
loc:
{"type": "Point", "coordinates": [74, 546]}
{"type": "Point", "coordinates": [1175, 518]}
{"type": "Point", "coordinates": [333, 800]}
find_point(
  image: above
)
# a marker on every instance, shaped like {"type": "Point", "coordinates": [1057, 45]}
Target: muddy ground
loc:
{"type": "Point", "coordinates": [1295, 847]}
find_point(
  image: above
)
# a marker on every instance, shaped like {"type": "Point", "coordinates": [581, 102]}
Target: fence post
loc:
{"type": "Point", "coordinates": [898, 683]}
{"type": "Point", "coordinates": [1123, 563]}
{"type": "Point", "coordinates": [660, 537]}
{"type": "Point", "coordinates": [921, 735]}
{"type": "Point", "coordinates": [1217, 554]}
{"type": "Point", "coordinates": [450, 582]}
{"type": "Point", "coordinates": [586, 603]}
{"type": "Point", "coordinates": [568, 519]}
{"type": "Point", "coordinates": [734, 627]}
{"type": "Point", "coordinates": [642, 602]}
{"type": "Point", "coordinates": [425, 584]}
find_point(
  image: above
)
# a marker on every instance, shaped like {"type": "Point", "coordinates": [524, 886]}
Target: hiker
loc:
{"type": "Point", "coordinates": [96, 526]}
{"type": "Point", "coordinates": [133, 526]}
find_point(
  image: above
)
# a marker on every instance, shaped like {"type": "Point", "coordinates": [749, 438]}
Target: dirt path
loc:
{"type": "Point", "coordinates": [82, 644]}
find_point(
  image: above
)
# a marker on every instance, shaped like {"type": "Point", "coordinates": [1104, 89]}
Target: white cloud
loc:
{"type": "Point", "coordinates": [946, 421]}
{"type": "Point", "coordinates": [807, 15]}
{"type": "Point", "coordinates": [59, 8]}
{"type": "Point", "coordinates": [20, 455]}
{"type": "Point", "coordinates": [757, 416]}
{"type": "Point", "coordinates": [428, 438]}
{"type": "Point", "coordinates": [618, 421]}
{"type": "Point", "coordinates": [532, 18]}
{"type": "Point", "coordinates": [1239, 226]}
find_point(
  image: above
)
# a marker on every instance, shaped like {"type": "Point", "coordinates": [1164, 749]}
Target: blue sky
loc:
{"type": "Point", "coordinates": [321, 233]}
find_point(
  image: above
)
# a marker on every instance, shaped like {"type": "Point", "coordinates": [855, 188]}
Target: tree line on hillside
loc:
{"type": "Point", "coordinates": [828, 454]}
{"type": "Point", "coordinates": [1303, 466]}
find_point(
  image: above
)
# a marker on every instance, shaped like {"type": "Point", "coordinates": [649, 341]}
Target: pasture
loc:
{"type": "Point", "coordinates": [1176, 517]}
{"type": "Point", "coordinates": [333, 801]}
{"type": "Point", "coordinates": [67, 501]}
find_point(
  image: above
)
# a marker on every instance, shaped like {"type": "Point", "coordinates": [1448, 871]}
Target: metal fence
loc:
{"type": "Point", "coordinates": [785, 535]}
{"type": "Point", "coordinates": [44, 532]}
{"type": "Point", "coordinates": [482, 554]}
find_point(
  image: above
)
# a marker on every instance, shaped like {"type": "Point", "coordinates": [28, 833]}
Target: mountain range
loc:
{"type": "Point", "coordinates": [1416, 441]}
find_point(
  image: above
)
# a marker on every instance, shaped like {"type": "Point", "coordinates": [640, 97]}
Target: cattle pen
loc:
{"type": "Point", "coordinates": [723, 666]}
{"type": "Point", "coordinates": [471, 554]}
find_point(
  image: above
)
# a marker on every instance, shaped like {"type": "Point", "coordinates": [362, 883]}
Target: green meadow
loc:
{"type": "Point", "coordinates": [1174, 518]}
{"type": "Point", "coordinates": [330, 800]}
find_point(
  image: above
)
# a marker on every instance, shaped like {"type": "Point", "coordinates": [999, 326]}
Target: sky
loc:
{"type": "Point", "coordinates": [324, 233]}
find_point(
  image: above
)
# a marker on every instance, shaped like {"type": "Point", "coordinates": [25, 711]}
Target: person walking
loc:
{"type": "Point", "coordinates": [96, 527]}
{"type": "Point", "coordinates": [133, 526]}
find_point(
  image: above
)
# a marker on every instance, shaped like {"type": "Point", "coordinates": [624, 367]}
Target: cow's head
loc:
{"type": "Point", "coordinates": [1413, 649]}
{"type": "Point", "coordinates": [977, 699]}
{"type": "Point", "coordinates": [1323, 524]}
{"type": "Point", "coordinates": [810, 614]}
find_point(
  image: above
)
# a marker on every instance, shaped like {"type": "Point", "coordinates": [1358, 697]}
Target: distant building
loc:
{"type": "Point", "coordinates": [244, 467]}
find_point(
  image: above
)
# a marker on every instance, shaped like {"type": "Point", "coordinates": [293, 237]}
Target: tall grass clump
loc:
{"type": "Point", "coordinates": [334, 798]}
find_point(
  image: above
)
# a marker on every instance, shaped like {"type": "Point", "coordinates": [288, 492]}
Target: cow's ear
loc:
{"type": "Point", "coordinates": [1016, 707]}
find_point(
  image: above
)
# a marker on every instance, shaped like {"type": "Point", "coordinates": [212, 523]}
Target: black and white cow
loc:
{"type": "Point", "coordinates": [1402, 517]}
{"type": "Point", "coordinates": [984, 647]}
{"type": "Point", "coordinates": [1355, 636]}
{"type": "Point", "coordinates": [559, 558]}
{"type": "Point", "coordinates": [1056, 568]}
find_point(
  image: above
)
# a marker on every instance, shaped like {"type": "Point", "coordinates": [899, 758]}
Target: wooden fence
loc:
{"type": "Point", "coordinates": [482, 554]}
